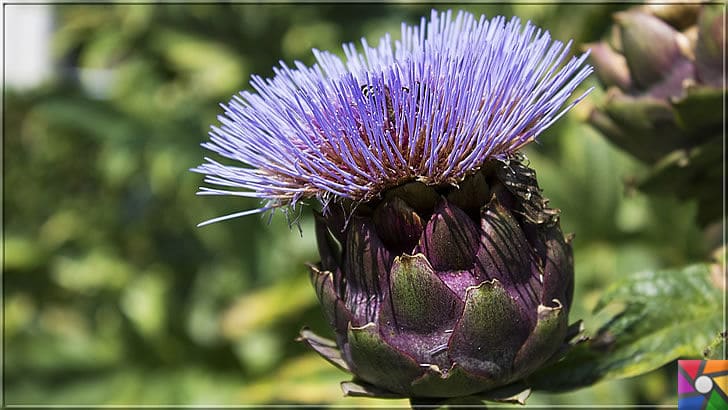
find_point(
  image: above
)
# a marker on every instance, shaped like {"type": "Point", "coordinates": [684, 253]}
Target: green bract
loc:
{"type": "Point", "coordinates": [445, 291]}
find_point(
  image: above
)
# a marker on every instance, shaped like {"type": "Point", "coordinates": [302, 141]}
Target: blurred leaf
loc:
{"type": "Point", "coordinates": [62, 340]}
{"type": "Point", "coordinates": [126, 386]}
{"type": "Point", "coordinates": [143, 302]}
{"type": "Point", "coordinates": [648, 333]}
{"type": "Point", "coordinates": [264, 307]}
{"type": "Point", "coordinates": [308, 380]}
{"type": "Point", "coordinates": [300, 39]}
{"type": "Point", "coordinates": [19, 310]}
{"type": "Point", "coordinates": [213, 68]}
{"type": "Point", "coordinates": [87, 117]}
{"type": "Point", "coordinates": [104, 50]}
{"type": "Point", "coordinates": [692, 174]}
{"type": "Point", "coordinates": [99, 269]}
{"type": "Point", "coordinates": [20, 252]}
{"type": "Point", "coordinates": [260, 350]}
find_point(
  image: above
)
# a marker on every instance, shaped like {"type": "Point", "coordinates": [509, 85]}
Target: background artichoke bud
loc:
{"type": "Point", "coordinates": [663, 70]}
{"type": "Point", "coordinates": [445, 291]}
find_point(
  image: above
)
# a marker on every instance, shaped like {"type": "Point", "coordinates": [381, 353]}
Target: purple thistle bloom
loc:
{"type": "Point", "coordinates": [444, 273]}
{"type": "Point", "coordinates": [431, 107]}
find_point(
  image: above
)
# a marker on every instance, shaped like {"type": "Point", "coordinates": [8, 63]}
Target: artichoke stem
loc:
{"type": "Point", "coordinates": [422, 403]}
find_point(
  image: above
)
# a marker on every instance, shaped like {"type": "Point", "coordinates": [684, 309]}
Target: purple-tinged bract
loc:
{"type": "Point", "coordinates": [445, 291]}
{"type": "Point", "coordinates": [431, 107]}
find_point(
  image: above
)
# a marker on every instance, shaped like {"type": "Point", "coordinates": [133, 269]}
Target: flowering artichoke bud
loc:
{"type": "Point", "coordinates": [443, 271]}
{"type": "Point", "coordinates": [446, 291]}
{"type": "Point", "coordinates": [663, 69]}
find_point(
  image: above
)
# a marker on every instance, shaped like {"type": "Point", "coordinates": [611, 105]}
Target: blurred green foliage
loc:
{"type": "Point", "coordinates": [113, 296]}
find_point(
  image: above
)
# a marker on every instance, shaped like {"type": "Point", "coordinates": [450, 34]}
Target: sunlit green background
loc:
{"type": "Point", "coordinates": [113, 296]}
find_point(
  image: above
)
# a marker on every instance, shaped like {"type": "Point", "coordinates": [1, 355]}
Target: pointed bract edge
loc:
{"type": "Point", "coordinates": [505, 254]}
{"type": "Point", "coordinates": [515, 393]}
{"type": "Point", "coordinates": [333, 307]}
{"type": "Point", "coordinates": [545, 339]}
{"type": "Point", "coordinates": [357, 388]}
{"type": "Point", "coordinates": [420, 299]}
{"type": "Point", "coordinates": [491, 330]}
{"type": "Point", "coordinates": [378, 363]}
{"type": "Point", "coordinates": [575, 335]}
{"type": "Point", "coordinates": [324, 347]}
{"type": "Point", "coordinates": [455, 382]}
{"type": "Point", "coordinates": [366, 260]}
{"type": "Point", "coordinates": [557, 268]}
{"type": "Point", "coordinates": [329, 247]}
{"type": "Point", "coordinates": [449, 239]}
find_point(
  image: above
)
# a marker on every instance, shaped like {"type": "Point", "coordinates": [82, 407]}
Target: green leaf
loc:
{"type": "Point", "coordinates": [667, 314]}
{"type": "Point", "coordinates": [716, 349]}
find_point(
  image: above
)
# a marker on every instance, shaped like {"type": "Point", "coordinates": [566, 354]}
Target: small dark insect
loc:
{"type": "Point", "coordinates": [366, 89]}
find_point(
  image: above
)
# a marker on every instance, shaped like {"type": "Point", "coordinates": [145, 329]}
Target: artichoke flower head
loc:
{"type": "Point", "coordinates": [443, 271]}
